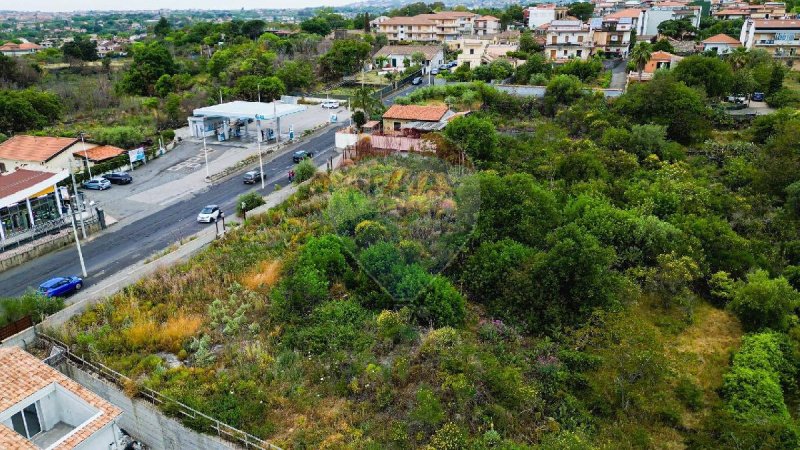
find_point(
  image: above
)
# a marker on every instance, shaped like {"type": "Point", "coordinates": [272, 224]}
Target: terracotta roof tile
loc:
{"type": "Point", "coordinates": [99, 153]}
{"type": "Point", "coordinates": [633, 13]}
{"type": "Point", "coordinates": [33, 148]}
{"type": "Point", "coordinates": [722, 39]}
{"type": "Point", "coordinates": [416, 112]}
{"type": "Point", "coordinates": [20, 179]}
{"type": "Point", "coordinates": [769, 23]}
{"type": "Point", "coordinates": [23, 374]}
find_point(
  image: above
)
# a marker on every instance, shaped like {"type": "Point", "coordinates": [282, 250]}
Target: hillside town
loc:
{"type": "Point", "coordinates": [444, 226]}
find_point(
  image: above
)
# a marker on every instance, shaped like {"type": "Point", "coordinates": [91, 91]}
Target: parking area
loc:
{"type": "Point", "coordinates": [182, 171]}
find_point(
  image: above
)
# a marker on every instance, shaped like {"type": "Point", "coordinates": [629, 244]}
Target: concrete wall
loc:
{"type": "Point", "coordinates": [22, 339]}
{"type": "Point", "coordinates": [144, 421]}
{"type": "Point", "coordinates": [539, 91]}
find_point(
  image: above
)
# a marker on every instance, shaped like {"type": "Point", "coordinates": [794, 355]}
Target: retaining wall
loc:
{"type": "Point", "coordinates": [143, 420]}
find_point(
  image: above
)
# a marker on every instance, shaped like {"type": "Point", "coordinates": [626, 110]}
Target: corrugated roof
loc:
{"type": "Point", "coordinates": [416, 112]}
{"type": "Point", "coordinates": [20, 179]}
{"type": "Point", "coordinates": [99, 153]}
{"type": "Point", "coordinates": [34, 148]}
{"type": "Point", "coordinates": [24, 375]}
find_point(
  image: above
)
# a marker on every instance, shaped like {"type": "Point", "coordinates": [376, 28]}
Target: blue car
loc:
{"type": "Point", "coordinates": [60, 286]}
{"type": "Point", "coordinates": [758, 96]}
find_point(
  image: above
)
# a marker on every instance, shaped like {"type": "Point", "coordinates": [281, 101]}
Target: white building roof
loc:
{"type": "Point", "coordinates": [251, 110]}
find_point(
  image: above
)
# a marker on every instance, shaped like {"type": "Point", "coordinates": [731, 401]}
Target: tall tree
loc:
{"type": "Point", "coordinates": [162, 28]}
{"type": "Point", "coordinates": [581, 10]}
{"type": "Point", "coordinates": [640, 55]}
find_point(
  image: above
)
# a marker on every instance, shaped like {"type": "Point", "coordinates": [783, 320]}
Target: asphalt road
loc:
{"type": "Point", "coordinates": [119, 248]}
{"type": "Point", "coordinates": [389, 99]}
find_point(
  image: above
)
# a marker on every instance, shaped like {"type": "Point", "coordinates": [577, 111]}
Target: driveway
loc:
{"type": "Point", "coordinates": [619, 73]}
{"type": "Point", "coordinates": [389, 99]}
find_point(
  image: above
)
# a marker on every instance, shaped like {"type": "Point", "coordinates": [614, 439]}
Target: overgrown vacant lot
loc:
{"type": "Point", "coordinates": [368, 312]}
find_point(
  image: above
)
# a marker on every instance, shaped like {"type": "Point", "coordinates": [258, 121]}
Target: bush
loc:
{"type": "Point", "coordinates": [248, 201]}
{"type": "Point", "coordinates": [120, 136]}
{"type": "Point", "coordinates": [31, 303]}
{"type": "Point", "coordinates": [304, 171]}
{"type": "Point", "coordinates": [783, 98]}
{"type": "Point", "coordinates": [441, 304]}
{"type": "Point", "coordinates": [168, 136]}
{"type": "Point", "coordinates": [762, 302]}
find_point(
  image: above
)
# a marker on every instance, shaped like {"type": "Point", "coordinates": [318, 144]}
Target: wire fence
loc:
{"type": "Point", "coordinates": [191, 416]}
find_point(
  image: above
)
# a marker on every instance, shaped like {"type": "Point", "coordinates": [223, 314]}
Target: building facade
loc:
{"type": "Point", "coordinates": [568, 39]}
{"type": "Point", "coordinates": [612, 35]}
{"type": "Point", "coordinates": [779, 37]}
{"type": "Point", "coordinates": [538, 15]}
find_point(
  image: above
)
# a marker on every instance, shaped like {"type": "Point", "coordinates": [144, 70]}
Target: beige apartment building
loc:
{"type": "Point", "coordinates": [612, 35]}
{"type": "Point", "coordinates": [568, 39]}
{"type": "Point", "coordinates": [779, 37]}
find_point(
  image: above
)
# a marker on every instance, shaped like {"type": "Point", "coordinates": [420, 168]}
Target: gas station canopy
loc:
{"type": "Point", "coordinates": [250, 110]}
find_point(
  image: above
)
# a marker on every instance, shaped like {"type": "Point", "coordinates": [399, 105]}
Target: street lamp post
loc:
{"type": "Point", "coordinates": [77, 241]}
{"type": "Point", "coordinates": [260, 162]}
{"type": "Point", "coordinates": [75, 190]}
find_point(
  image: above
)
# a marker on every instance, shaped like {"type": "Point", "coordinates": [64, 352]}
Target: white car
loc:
{"type": "Point", "coordinates": [209, 214]}
{"type": "Point", "coordinates": [332, 104]}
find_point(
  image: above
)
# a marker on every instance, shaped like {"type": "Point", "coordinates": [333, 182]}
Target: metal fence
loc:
{"type": "Point", "coordinates": [198, 420]}
{"type": "Point", "coordinates": [383, 92]}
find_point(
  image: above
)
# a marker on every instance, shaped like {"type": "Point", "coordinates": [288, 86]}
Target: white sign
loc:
{"type": "Point", "coordinates": [136, 155]}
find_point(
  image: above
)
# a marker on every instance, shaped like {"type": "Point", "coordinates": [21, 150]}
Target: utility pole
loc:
{"type": "Point", "coordinates": [77, 241]}
{"type": "Point", "coordinates": [75, 190]}
{"type": "Point", "coordinates": [259, 93]}
{"type": "Point", "coordinates": [260, 162]}
{"type": "Point", "coordinates": [85, 156]}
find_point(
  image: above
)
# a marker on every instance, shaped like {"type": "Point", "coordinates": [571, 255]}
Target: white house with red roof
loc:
{"type": "Point", "coordinates": [720, 44]}
{"type": "Point", "coordinates": [24, 48]}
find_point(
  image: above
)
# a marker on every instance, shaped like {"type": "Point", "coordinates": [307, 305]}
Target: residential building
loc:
{"type": "Point", "coordinates": [397, 116]}
{"type": "Point", "coordinates": [636, 16]}
{"type": "Point", "coordinates": [486, 25]}
{"type": "Point", "coordinates": [442, 27]}
{"type": "Point", "coordinates": [13, 49]}
{"type": "Point", "coordinates": [541, 14]}
{"type": "Point", "coordinates": [658, 61]}
{"type": "Point", "coordinates": [779, 37]}
{"type": "Point", "coordinates": [568, 39]}
{"type": "Point", "coordinates": [374, 23]}
{"type": "Point", "coordinates": [401, 56]}
{"type": "Point", "coordinates": [475, 52]}
{"type": "Point", "coordinates": [721, 44]}
{"type": "Point", "coordinates": [52, 154]}
{"type": "Point", "coordinates": [612, 35]}
{"type": "Point", "coordinates": [411, 29]}
{"type": "Point", "coordinates": [42, 409]}
{"type": "Point", "coordinates": [29, 200]}
{"type": "Point", "coordinates": [668, 10]}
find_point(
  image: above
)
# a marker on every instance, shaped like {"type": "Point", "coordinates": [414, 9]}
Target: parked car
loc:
{"type": "Point", "coordinates": [99, 184]}
{"type": "Point", "coordinates": [61, 286]}
{"type": "Point", "coordinates": [118, 177]}
{"type": "Point", "coordinates": [435, 72]}
{"type": "Point", "coordinates": [452, 64]}
{"type": "Point", "coordinates": [209, 214]}
{"type": "Point", "coordinates": [443, 66]}
{"type": "Point", "coordinates": [252, 176]}
{"type": "Point", "coordinates": [758, 96]}
{"type": "Point", "coordinates": [737, 99]}
{"type": "Point", "coordinates": [301, 155]}
{"type": "Point", "coordinates": [332, 104]}
{"type": "Point", "coordinates": [417, 80]}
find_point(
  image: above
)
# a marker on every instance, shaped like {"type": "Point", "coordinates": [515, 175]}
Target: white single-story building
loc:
{"type": "Point", "coordinates": [233, 119]}
{"type": "Point", "coordinates": [399, 57]}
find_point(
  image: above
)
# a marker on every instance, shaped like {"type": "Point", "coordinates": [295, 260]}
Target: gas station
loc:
{"type": "Point", "coordinates": [243, 120]}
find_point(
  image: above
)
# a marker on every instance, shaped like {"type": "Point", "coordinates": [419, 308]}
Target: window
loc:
{"type": "Point", "coordinates": [472, 51]}
{"type": "Point", "coordinates": [397, 126]}
{"type": "Point", "coordinates": [3, 168]}
{"type": "Point", "coordinates": [26, 422]}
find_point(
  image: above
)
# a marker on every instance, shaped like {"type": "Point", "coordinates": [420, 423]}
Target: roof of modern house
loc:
{"type": "Point", "coordinates": [416, 112]}
{"type": "Point", "coordinates": [23, 147]}
{"type": "Point", "coordinates": [487, 18]}
{"type": "Point", "coordinates": [731, 12]}
{"type": "Point", "coordinates": [99, 153]}
{"type": "Point", "coordinates": [23, 375]}
{"type": "Point", "coordinates": [663, 56]}
{"type": "Point", "coordinates": [721, 38]}
{"type": "Point", "coordinates": [428, 50]}
{"type": "Point", "coordinates": [777, 23]}
{"type": "Point", "coordinates": [633, 13]}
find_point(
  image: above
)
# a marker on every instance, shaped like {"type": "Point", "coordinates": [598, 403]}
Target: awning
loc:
{"type": "Point", "coordinates": [250, 110]}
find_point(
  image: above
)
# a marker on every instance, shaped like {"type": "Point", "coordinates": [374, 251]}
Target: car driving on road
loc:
{"type": "Point", "coordinates": [208, 214]}
{"type": "Point", "coordinates": [332, 104]}
{"type": "Point", "coordinates": [99, 184]}
{"type": "Point", "coordinates": [118, 177]}
{"type": "Point", "coordinates": [61, 286]}
{"type": "Point", "coordinates": [417, 80]}
{"type": "Point", "coordinates": [301, 155]}
{"type": "Point", "coordinates": [252, 176]}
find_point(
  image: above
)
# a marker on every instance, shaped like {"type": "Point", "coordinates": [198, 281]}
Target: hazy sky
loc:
{"type": "Point", "coordinates": [78, 5]}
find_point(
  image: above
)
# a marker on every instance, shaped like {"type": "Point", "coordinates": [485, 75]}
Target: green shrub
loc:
{"type": "Point", "coordinates": [449, 437]}
{"type": "Point", "coordinates": [427, 410]}
{"type": "Point", "coordinates": [248, 201]}
{"type": "Point", "coordinates": [304, 171]}
{"type": "Point", "coordinates": [31, 303]}
{"type": "Point", "coordinates": [763, 302]}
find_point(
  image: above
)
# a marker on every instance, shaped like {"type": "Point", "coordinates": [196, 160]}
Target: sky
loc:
{"type": "Point", "coordinates": [82, 5]}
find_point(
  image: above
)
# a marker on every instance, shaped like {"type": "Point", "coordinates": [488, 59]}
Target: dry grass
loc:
{"type": "Point", "coordinates": [141, 334]}
{"type": "Point", "coordinates": [176, 330]}
{"type": "Point", "coordinates": [265, 276]}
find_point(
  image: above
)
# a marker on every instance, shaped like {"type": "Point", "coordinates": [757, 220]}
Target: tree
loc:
{"type": "Point", "coordinates": [743, 82]}
{"type": "Point", "coordinates": [80, 48]}
{"type": "Point", "coordinates": [708, 72]}
{"type": "Point", "coordinates": [297, 75]}
{"type": "Point", "coordinates": [162, 28]}
{"type": "Point", "coordinates": [666, 101]}
{"type": "Point", "coordinates": [27, 109]}
{"type": "Point", "coordinates": [663, 45]}
{"type": "Point", "coordinates": [527, 43]}
{"type": "Point", "coordinates": [316, 25]}
{"type": "Point", "coordinates": [775, 79]}
{"type": "Point", "coordinates": [676, 28]}
{"type": "Point", "coordinates": [150, 62]}
{"type": "Point", "coordinates": [364, 100]}
{"type": "Point", "coordinates": [764, 302]}
{"type": "Point", "coordinates": [562, 90]}
{"type": "Point", "coordinates": [418, 58]}
{"type": "Point", "coordinates": [381, 60]}
{"type": "Point", "coordinates": [253, 88]}
{"type": "Point", "coordinates": [475, 136]}
{"type": "Point", "coordinates": [359, 118]}
{"type": "Point", "coordinates": [737, 58]}
{"type": "Point", "coordinates": [640, 55]}
{"type": "Point", "coordinates": [253, 28]}
{"type": "Point", "coordinates": [346, 56]}
{"type": "Point", "coordinates": [581, 10]}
